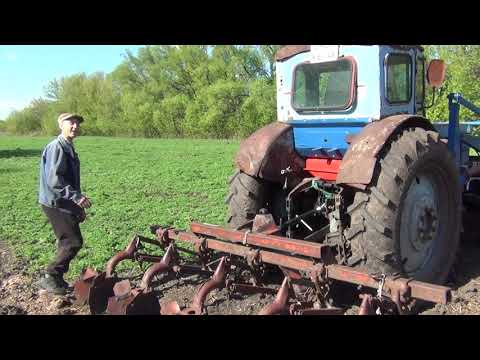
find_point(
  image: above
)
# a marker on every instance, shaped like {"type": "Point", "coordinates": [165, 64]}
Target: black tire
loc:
{"type": "Point", "coordinates": [246, 197]}
{"type": "Point", "coordinates": [413, 164]}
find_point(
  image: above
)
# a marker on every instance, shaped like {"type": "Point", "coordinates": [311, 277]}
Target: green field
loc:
{"type": "Point", "coordinates": [133, 183]}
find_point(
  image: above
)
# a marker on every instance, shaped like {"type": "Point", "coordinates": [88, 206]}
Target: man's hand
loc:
{"type": "Point", "coordinates": [84, 203]}
{"type": "Point", "coordinates": [81, 216]}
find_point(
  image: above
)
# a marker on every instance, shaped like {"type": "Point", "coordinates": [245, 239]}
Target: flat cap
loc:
{"type": "Point", "coordinates": [66, 116]}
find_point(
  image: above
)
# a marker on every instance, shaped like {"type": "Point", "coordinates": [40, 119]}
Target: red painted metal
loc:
{"type": "Point", "coordinates": [139, 300]}
{"type": "Point", "coordinates": [416, 289]}
{"type": "Point", "coordinates": [288, 51]}
{"type": "Point", "coordinates": [325, 169]}
{"type": "Point", "coordinates": [94, 289]}
{"type": "Point", "coordinates": [298, 259]}
{"type": "Point", "coordinates": [292, 246]}
{"type": "Point", "coordinates": [82, 286]}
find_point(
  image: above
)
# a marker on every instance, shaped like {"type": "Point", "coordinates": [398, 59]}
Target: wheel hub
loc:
{"type": "Point", "coordinates": [419, 223]}
{"type": "Point", "coordinates": [426, 215]}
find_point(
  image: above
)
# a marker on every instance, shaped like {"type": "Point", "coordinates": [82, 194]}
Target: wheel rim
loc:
{"type": "Point", "coordinates": [420, 227]}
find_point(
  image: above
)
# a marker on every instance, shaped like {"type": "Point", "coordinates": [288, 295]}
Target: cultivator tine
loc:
{"type": "Point", "coordinates": [163, 266]}
{"type": "Point", "coordinates": [128, 253]}
{"type": "Point", "coordinates": [142, 300]}
{"type": "Point", "coordinates": [368, 306]}
{"type": "Point", "coordinates": [94, 288]}
{"type": "Point", "coordinates": [302, 262]}
{"type": "Point", "coordinates": [280, 304]}
{"type": "Point", "coordinates": [217, 281]}
{"type": "Point", "coordinates": [171, 308]}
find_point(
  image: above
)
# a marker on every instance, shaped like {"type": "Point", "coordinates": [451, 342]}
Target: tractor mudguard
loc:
{"type": "Point", "coordinates": [268, 151]}
{"type": "Point", "coordinates": [358, 164]}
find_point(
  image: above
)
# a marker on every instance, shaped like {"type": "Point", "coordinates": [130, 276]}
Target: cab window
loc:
{"type": "Point", "coordinates": [323, 86]}
{"type": "Point", "coordinates": [399, 74]}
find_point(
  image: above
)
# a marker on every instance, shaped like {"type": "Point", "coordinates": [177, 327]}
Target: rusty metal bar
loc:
{"type": "Point", "coordinates": [419, 290]}
{"type": "Point", "coordinates": [187, 269]}
{"type": "Point", "coordinates": [148, 258]}
{"type": "Point", "coordinates": [252, 289]}
{"type": "Point", "coordinates": [324, 311]}
{"type": "Point", "coordinates": [434, 293]}
{"type": "Point", "coordinates": [265, 256]}
{"type": "Point", "coordinates": [149, 241]}
{"type": "Point", "coordinates": [240, 250]}
{"type": "Point", "coordinates": [292, 246]}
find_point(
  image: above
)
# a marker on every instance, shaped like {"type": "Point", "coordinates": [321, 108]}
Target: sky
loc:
{"type": "Point", "coordinates": [25, 70]}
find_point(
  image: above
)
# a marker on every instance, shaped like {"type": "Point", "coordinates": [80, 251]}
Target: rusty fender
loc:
{"type": "Point", "coordinates": [268, 151]}
{"type": "Point", "coordinates": [358, 164]}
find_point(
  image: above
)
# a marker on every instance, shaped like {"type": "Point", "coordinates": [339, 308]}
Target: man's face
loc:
{"type": "Point", "coordinates": [70, 129]}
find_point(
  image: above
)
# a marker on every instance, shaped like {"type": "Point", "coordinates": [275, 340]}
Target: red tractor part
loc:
{"type": "Point", "coordinates": [217, 281]}
{"type": "Point", "coordinates": [301, 261]}
{"type": "Point", "coordinates": [140, 301]}
{"type": "Point", "coordinates": [95, 288]}
{"type": "Point", "coordinates": [280, 305]}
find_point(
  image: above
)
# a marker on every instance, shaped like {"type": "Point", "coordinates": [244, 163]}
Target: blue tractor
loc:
{"type": "Point", "coordinates": [353, 162]}
{"type": "Point", "coordinates": [352, 185]}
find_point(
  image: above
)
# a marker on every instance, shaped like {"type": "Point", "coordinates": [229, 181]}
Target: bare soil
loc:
{"type": "Point", "coordinates": [19, 294]}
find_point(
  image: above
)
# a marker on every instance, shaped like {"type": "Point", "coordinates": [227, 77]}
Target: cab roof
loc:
{"type": "Point", "coordinates": [288, 51]}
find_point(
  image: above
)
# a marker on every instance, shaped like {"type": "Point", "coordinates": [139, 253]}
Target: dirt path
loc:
{"type": "Point", "coordinates": [20, 295]}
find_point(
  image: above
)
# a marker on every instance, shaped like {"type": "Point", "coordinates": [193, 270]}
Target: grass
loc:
{"type": "Point", "coordinates": [133, 183]}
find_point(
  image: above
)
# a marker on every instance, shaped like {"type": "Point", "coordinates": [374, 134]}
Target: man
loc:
{"type": "Point", "coordinates": [62, 201]}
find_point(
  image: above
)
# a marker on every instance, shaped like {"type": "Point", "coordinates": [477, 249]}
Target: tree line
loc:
{"type": "Point", "coordinates": [219, 91]}
{"type": "Point", "coordinates": [212, 91]}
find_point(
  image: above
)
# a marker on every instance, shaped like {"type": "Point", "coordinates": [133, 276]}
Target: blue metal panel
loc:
{"type": "Point", "coordinates": [454, 129]}
{"type": "Point", "coordinates": [325, 138]}
{"type": "Point", "coordinates": [465, 127]}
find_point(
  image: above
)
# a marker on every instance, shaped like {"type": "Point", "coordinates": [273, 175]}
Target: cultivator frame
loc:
{"type": "Point", "coordinates": [301, 262]}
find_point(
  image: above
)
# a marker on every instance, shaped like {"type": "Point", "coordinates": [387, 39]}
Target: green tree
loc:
{"type": "Point", "coordinates": [462, 76]}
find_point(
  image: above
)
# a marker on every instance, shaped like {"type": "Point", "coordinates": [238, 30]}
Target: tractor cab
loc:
{"type": "Point", "coordinates": [333, 91]}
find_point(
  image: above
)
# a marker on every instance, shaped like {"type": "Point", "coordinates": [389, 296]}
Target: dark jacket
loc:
{"type": "Point", "coordinates": [60, 177]}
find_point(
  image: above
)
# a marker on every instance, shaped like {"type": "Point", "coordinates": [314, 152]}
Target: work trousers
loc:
{"type": "Point", "coordinates": [69, 239]}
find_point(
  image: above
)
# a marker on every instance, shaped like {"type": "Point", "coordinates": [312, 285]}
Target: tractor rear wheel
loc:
{"type": "Point", "coordinates": [246, 197]}
{"type": "Point", "coordinates": [408, 220]}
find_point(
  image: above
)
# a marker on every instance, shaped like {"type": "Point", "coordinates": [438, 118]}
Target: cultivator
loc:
{"type": "Point", "coordinates": [242, 260]}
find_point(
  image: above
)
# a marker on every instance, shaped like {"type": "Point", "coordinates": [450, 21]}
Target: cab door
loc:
{"type": "Point", "coordinates": [419, 88]}
{"type": "Point", "coordinates": [397, 81]}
